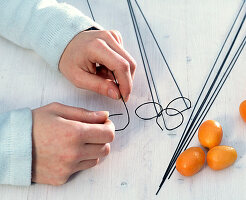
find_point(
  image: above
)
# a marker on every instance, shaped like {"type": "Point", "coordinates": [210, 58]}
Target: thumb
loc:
{"type": "Point", "coordinates": [80, 114]}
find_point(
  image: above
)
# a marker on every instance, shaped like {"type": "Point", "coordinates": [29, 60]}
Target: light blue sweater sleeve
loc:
{"type": "Point", "coordinates": [16, 147]}
{"type": "Point", "coordinates": [46, 27]}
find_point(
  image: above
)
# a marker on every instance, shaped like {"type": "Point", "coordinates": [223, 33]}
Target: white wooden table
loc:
{"type": "Point", "coordinates": [190, 33]}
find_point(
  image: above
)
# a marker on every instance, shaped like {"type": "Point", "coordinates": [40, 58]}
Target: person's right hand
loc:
{"type": "Point", "coordinates": [89, 48]}
{"type": "Point", "coordinates": [67, 140]}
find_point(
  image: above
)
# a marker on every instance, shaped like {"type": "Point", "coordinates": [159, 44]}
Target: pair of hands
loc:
{"type": "Point", "coordinates": [68, 139]}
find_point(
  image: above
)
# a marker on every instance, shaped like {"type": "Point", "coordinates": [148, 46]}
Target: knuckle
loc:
{"type": "Point", "coordinates": [70, 157]}
{"type": "Point", "coordinates": [77, 130]}
{"type": "Point", "coordinates": [112, 31]}
{"type": "Point", "coordinates": [124, 66]}
{"type": "Point", "coordinates": [107, 34]}
{"type": "Point", "coordinates": [106, 150]}
{"type": "Point", "coordinates": [134, 64]}
{"type": "Point", "coordinates": [97, 43]}
{"type": "Point", "coordinates": [117, 33]}
{"type": "Point", "coordinates": [54, 105]}
{"type": "Point", "coordinates": [59, 182]}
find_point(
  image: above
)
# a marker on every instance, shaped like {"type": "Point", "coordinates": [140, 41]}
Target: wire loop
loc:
{"type": "Point", "coordinates": [166, 109]}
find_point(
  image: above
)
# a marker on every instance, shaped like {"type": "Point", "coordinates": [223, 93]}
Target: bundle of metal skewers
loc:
{"type": "Point", "coordinates": [223, 65]}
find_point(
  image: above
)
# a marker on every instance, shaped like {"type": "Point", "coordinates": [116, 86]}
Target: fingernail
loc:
{"type": "Point", "coordinates": [113, 94]}
{"type": "Point", "coordinates": [102, 113]}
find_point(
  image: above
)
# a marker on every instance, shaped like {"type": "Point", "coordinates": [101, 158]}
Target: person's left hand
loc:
{"type": "Point", "coordinates": [89, 48]}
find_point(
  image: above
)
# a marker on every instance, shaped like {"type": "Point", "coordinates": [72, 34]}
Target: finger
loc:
{"type": "Point", "coordinates": [97, 84]}
{"type": "Point", "coordinates": [98, 133]}
{"type": "Point", "coordinates": [101, 53]}
{"type": "Point", "coordinates": [103, 72]}
{"type": "Point", "coordinates": [116, 34]}
{"type": "Point", "coordinates": [93, 151]}
{"type": "Point", "coordinates": [91, 67]}
{"type": "Point", "coordinates": [79, 114]}
{"type": "Point", "coordinates": [112, 43]}
{"type": "Point", "coordinates": [86, 133]}
{"type": "Point", "coordinates": [86, 164]}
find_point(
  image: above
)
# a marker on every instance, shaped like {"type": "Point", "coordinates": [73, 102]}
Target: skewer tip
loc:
{"type": "Point", "coordinates": [158, 191]}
